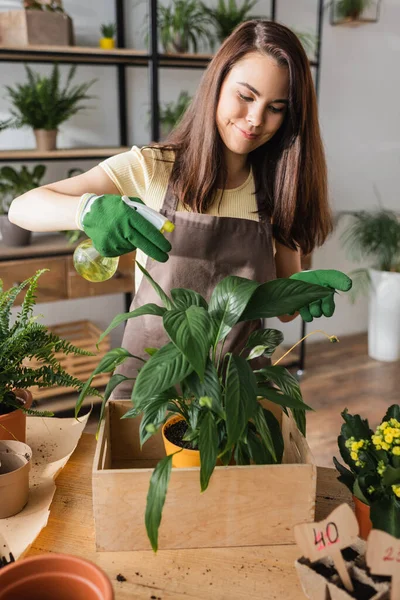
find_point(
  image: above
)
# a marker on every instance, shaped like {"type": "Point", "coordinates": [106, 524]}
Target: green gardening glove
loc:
{"type": "Point", "coordinates": [335, 280]}
{"type": "Point", "coordinates": [115, 228]}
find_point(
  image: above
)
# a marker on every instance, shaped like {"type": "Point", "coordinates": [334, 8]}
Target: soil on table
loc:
{"type": "Point", "coordinates": [175, 432]}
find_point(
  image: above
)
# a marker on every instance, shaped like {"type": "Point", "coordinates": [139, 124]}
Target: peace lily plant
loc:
{"type": "Point", "coordinates": [220, 394]}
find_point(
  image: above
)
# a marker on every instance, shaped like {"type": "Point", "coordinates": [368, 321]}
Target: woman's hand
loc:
{"type": "Point", "coordinates": [336, 280]}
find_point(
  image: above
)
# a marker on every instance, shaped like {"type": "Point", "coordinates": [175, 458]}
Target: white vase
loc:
{"type": "Point", "coordinates": [384, 316]}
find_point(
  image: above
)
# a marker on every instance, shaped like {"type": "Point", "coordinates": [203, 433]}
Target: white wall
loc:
{"type": "Point", "coordinates": [359, 112]}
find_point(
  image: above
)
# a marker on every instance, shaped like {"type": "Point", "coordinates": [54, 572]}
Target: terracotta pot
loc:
{"type": "Point", "coordinates": [363, 517]}
{"type": "Point", "coordinates": [13, 424]}
{"type": "Point", "coordinates": [15, 464]}
{"type": "Point", "coordinates": [45, 140]}
{"type": "Point", "coordinates": [185, 458]}
{"type": "Point", "coordinates": [50, 576]}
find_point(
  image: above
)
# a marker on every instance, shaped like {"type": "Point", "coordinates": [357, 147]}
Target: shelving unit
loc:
{"type": "Point", "coordinates": [121, 58]}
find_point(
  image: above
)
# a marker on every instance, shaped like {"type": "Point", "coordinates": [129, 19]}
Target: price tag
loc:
{"type": "Point", "coordinates": [383, 558]}
{"type": "Point", "coordinates": [328, 537]}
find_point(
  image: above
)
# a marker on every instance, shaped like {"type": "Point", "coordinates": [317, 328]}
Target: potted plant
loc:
{"type": "Point", "coordinates": [108, 31]}
{"type": "Point", "coordinates": [182, 25]}
{"type": "Point", "coordinates": [20, 341]}
{"type": "Point", "coordinates": [172, 112]}
{"type": "Point", "coordinates": [376, 235]}
{"type": "Point", "coordinates": [43, 104]}
{"type": "Point", "coordinates": [351, 9]}
{"type": "Point", "coordinates": [373, 477]}
{"type": "Point", "coordinates": [14, 182]}
{"type": "Point", "coordinates": [209, 403]}
{"type": "Point", "coordinates": [227, 15]}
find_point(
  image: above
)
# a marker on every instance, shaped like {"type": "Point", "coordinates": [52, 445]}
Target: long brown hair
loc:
{"type": "Point", "coordinates": [289, 170]}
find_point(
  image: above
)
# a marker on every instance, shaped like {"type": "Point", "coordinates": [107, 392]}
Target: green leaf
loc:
{"type": "Point", "coordinates": [277, 397]}
{"type": "Point", "coordinates": [258, 452]}
{"type": "Point", "coordinates": [355, 426]}
{"type": "Point", "coordinates": [393, 412]}
{"type": "Point", "coordinates": [183, 298]}
{"type": "Point", "coordinates": [276, 433]}
{"type": "Point", "coordinates": [228, 301]}
{"type": "Point", "coordinates": [385, 515]}
{"type": "Point", "coordinates": [270, 339]}
{"type": "Point", "coordinates": [240, 396]}
{"type": "Point", "coordinates": [163, 370]}
{"type": "Point", "coordinates": [358, 492]}
{"type": "Point", "coordinates": [281, 297]}
{"type": "Point", "coordinates": [391, 476]}
{"type": "Point", "coordinates": [241, 453]}
{"type": "Point", "coordinates": [165, 299]}
{"type": "Point", "coordinates": [115, 380]}
{"type": "Point", "coordinates": [346, 477]}
{"type": "Point", "coordinates": [210, 387]}
{"type": "Point", "coordinates": [208, 446]}
{"type": "Point", "coordinates": [156, 498]}
{"type": "Point", "coordinates": [190, 330]}
{"type": "Point", "coordinates": [146, 309]}
{"type": "Point", "coordinates": [155, 413]}
{"type": "Point", "coordinates": [264, 430]}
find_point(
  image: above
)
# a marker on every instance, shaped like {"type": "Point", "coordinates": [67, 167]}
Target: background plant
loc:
{"type": "Point", "coordinates": [220, 391]}
{"type": "Point", "coordinates": [228, 14]}
{"type": "Point", "coordinates": [172, 112]}
{"type": "Point", "coordinates": [182, 25]}
{"type": "Point", "coordinates": [25, 339]}
{"type": "Point", "coordinates": [351, 8]}
{"type": "Point", "coordinates": [53, 6]}
{"type": "Point", "coordinates": [14, 182]}
{"type": "Point", "coordinates": [108, 30]}
{"type": "Point", "coordinates": [42, 102]}
{"type": "Point", "coordinates": [374, 462]}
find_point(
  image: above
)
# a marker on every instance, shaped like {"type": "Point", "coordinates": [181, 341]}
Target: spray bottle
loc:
{"type": "Point", "coordinates": [89, 263]}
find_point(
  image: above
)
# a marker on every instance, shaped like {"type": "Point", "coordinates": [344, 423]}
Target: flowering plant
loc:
{"type": "Point", "coordinates": [374, 461]}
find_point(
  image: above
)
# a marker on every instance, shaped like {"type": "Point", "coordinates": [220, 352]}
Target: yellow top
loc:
{"type": "Point", "coordinates": [138, 173]}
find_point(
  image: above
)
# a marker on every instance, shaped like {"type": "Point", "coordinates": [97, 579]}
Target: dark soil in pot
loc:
{"type": "Point", "coordinates": [175, 432]}
{"type": "Point", "coordinates": [5, 409]}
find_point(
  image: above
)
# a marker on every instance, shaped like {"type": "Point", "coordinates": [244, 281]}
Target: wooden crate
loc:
{"type": "Point", "coordinates": [243, 505]}
{"type": "Point", "coordinates": [35, 27]}
{"type": "Point", "coordinates": [85, 335]}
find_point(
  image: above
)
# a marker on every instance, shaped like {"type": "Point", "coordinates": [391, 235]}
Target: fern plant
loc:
{"type": "Point", "coordinates": [25, 339]}
{"type": "Point", "coordinates": [42, 102]}
{"type": "Point", "coordinates": [182, 25]}
{"type": "Point", "coordinates": [14, 182]}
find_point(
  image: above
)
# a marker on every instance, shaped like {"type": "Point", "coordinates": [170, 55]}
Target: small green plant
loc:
{"type": "Point", "coordinates": [14, 182]}
{"type": "Point", "coordinates": [228, 15]}
{"type": "Point", "coordinates": [25, 339]}
{"type": "Point", "coordinates": [172, 112]}
{"type": "Point", "coordinates": [108, 30]}
{"type": "Point", "coordinates": [42, 103]}
{"type": "Point", "coordinates": [352, 9]}
{"type": "Point", "coordinates": [221, 395]}
{"type": "Point", "coordinates": [182, 25]}
{"type": "Point", "coordinates": [374, 461]}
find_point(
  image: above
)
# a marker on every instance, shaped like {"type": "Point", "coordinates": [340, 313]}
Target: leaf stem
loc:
{"type": "Point", "coordinates": [331, 338]}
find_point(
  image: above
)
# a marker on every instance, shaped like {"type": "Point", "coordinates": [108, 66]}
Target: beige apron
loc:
{"type": "Point", "coordinates": [205, 249]}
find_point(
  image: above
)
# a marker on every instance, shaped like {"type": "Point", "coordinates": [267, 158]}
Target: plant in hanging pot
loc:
{"type": "Point", "coordinates": [43, 104]}
{"type": "Point", "coordinates": [21, 339]}
{"type": "Point", "coordinates": [13, 183]}
{"type": "Point", "coordinates": [182, 25]}
{"type": "Point", "coordinates": [374, 476]}
{"type": "Point", "coordinates": [108, 31]}
{"type": "Point", "coordinates": [375, 235]}
{"type": "Point", "coordinates": [351, 9]}
{"type": "Point", "coordinates": [210, 402]}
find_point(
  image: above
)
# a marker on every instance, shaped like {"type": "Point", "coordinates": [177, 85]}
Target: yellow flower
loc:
{"type": "Point", "coordinates": [383, 425]}
{"type": "Point", "coordinates": [377, 440]}
{"type": "Point", "coordinates": [396, 489]}
{"type": "Point", "coordinates": [385, 446]}
{"type": "Point", "coordinates": [354, 455]}
{"type": "Point", "coordinates": [396, 451]}
{"type": "Point", "coordinates": [388, 439]}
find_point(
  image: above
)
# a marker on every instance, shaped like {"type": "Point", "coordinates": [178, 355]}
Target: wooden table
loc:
{"type": "Point", "coordinates": [264, 572]}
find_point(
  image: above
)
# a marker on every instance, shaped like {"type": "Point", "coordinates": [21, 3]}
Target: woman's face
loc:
{"type": "Point", "coordinates": [252, 102]}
